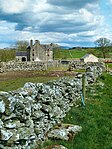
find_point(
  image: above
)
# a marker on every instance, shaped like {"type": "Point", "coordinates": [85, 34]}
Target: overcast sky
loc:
{"type": "Point", "coordinates": [66, 22]}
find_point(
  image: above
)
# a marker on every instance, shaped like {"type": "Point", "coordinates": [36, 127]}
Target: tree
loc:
{"type": "Point", "coordinates": [22, 45]}
{"type": "Point", "coordinates": [104, 45]}
{"type": "Point", "coordinates": [7, 55]}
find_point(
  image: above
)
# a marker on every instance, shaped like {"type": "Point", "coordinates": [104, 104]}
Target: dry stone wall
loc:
{"type": "Point", "coordinates": [29, 113]}
{"type": "Point", "coordinates": [18, 66]}
{"type": "Point", "coordinates": [81, 65]}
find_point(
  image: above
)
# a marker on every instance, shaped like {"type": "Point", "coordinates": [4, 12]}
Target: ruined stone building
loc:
{"type": "Point", "coordinates": [36, 52]}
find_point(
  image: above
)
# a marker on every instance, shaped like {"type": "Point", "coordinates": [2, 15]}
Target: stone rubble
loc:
{"type": "Point", "coordinates": [28, 114]}
{"type": "Point", "coordinates": [56, 146]}
{"type": "Point", "coordinates": [64, 132]}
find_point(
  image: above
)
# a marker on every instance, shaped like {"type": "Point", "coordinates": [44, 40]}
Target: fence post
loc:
{"type": "Point", "coordinates": [83, 89]}
{"type": "Point", "coordinates": [107, 69]}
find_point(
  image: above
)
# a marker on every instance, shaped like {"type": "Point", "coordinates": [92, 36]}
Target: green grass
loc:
{"type": "Point", "coordinates": [95, 118]}
{"type": "Point", "coordinates": [19, 82]}
{"type": "Point", "coordinates": [7, 55]}
{"type": "Point", "coordinates": [77, 53]}
{"type": "Point", "coordinates": [7, 82]}
{"type": "Point", "coordinates": [109, 65]}
{"type": "Point", "coordinates": [58, 68]}
{"type": "Point", "coordinates": [68, 54]}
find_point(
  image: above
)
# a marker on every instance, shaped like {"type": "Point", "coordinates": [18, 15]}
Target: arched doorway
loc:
{"type": "Point", "coordinates": [23, 59]}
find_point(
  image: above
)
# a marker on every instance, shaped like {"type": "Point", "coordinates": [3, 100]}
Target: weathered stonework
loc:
{"type": "Point", "coordinates": [19, 66]}
{"type": "Point", "coordinates": [81, 65]}
{"type": "Point", "coordinates": [36, 52]}
{"type": "Point", "coordinates": [28, 114]}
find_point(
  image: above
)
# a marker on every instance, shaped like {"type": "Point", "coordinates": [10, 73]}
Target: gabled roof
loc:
{"type": "Point", "coordinates": [21, 53]}
{"type": "Point", "coordinates": [87, 55]}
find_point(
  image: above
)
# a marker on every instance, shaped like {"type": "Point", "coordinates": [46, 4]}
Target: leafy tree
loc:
{"type": "Point", "coordinates": [104, 45]}
{"type": "Point", "coordinates": [7, 55]}
{"type": "Point", "coordinates": [21, 45]}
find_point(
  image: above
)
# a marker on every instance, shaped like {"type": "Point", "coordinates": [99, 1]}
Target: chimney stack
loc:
{"type": "Point", "coordinates": [37, 42]}
{"type": "Point", "coordinates": [31, 43]}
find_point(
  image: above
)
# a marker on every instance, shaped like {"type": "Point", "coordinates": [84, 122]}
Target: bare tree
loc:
{"type": "Point", "coordinates": [104, 45]}
{"type": "Point", "coordinates": [22, 45]}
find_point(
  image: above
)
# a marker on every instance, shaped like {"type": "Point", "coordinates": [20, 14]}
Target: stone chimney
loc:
{"type": "Point", "coordinates": [31, 43]}
{"type": "Point", "coordinates": [37, 42]}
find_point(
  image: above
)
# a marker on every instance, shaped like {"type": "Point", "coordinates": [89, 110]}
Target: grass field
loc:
{"type": "Point", "coordinates": [95, 118]}
{"type": "Point", "coordinates": [68, 54]}
{"type": "Point", "coordinates": [76, 53]}
{"type": "Point", "coordinates": [13, 80]}
{"type": "Point", "coordinates": [7, 55]}
{"type": "Point", "coordinates": [19, 82]}
{"type": "Point", "coordinates": [109, 65]}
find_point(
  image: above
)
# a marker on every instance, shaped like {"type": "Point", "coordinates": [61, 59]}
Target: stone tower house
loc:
{"type": "Point", "coordinates": [39, 52]}
{"type": "Point", "coordinates": [36, 52]}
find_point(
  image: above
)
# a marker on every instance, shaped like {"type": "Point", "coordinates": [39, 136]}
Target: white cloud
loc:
{"type": "Point", "coordinates": [60, 21]}
{"type": "Point", "coordinates": [110, 1]}
{"type": "Point", "coordinates": [6, 27]}
{"type": "Point", "coordinates": [13, 6]}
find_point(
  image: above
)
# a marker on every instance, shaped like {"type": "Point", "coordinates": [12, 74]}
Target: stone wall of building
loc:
{"type": "Point", "coordinates": [29, 113]}
{"type": "Point", "coordinates": [40, 52]}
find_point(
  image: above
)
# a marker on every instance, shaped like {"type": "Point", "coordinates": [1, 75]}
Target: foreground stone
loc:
{"type": "Point", "coordinates": [64, 132]}
{"type": "Point", "coordinates": [55, 147]}
{"type": "Point", "coordinates": [29, 113]}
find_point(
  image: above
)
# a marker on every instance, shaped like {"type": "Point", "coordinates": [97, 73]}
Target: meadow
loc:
{"type": "Point", "coordinates": [68, 54]}
{"type": "Point", "coordinates": [95, 117]}
{"type": "Point", "coordinates": [58, 53]}
{"type": "Point", "coordinates": [78, 53]}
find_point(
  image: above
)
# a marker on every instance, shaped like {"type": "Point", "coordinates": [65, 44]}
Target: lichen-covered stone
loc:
{"type": "Point", "coordinates": [10, 124]}
{"type": "Point", "coordinates": [2, 106]}
{"type": "Point", "coordinates": [56, 146]}
{"type": "Point", "coordinates": [64, 132]}
{"type": "Point", "coordinates": [19, 66]}
{"type": "Point", "coordinates": [29, 113]}
{"type": "Point", "coordinates": [6, 134]}
{"type": "Point", "coordinates": [1, 124]}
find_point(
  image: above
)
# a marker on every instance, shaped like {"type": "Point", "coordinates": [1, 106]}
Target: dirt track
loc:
{"type": "Point", "coordinates": [27, 74]}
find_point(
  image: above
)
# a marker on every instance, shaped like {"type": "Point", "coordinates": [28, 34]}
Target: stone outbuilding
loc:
{"type": "Point", "coordinates": [36, 52]}
{"type": "Point", "coordinates": [22, 56]}
{"type": "Point", "coordinates": [89, 58]}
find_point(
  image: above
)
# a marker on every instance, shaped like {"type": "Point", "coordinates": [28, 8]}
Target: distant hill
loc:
{"type": "Point", "coordinates": [68, 54]}
{"type": "Point", "coordinates": [64, 47]}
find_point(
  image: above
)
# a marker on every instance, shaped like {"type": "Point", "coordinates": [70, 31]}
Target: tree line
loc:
{"type": "Point", "coordinates": [7, 55]}
{"type": "Point", "coordinates": [103, 48]}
